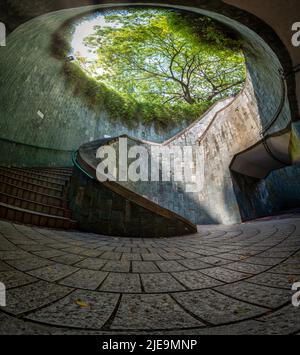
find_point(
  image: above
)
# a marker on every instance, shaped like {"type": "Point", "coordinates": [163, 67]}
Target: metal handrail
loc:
{"type": "Point", "coordinates": [78, 166]}
{"type": "Point", "coordinates": [281, 105]}
{"type": "Point", "coordinates": [278, 112]}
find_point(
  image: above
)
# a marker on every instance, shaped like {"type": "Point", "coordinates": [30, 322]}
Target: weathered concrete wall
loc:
{"type": "Point", "coordinates": [32, 80]}
{"type": "Point", "coordinates": [233, 129]}
{"type": "Point", "coordinates": [224, 197]}
{"type": "Point", "coordinates": [280, 15]}
{"type": "Point", "coordinates": [100, 210]}
{"type": "Point", "coordinates": [295, 143]}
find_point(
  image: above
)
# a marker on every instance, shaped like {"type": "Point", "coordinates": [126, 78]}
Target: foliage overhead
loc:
{"type": "Point", "coordinates": [162, 65]}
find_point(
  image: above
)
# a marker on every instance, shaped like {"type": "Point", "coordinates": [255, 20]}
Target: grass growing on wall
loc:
{"type": "Point", "coordinates": [125, 109]}
{"type": "Point", "coordinates": [120, 107]}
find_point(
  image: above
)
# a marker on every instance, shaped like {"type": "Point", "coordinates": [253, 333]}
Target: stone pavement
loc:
{"type": "Point", "coordinates": [223, 280]}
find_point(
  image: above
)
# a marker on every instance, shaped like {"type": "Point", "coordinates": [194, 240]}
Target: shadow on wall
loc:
{"type": "Point", "coordinates": [280, 191]}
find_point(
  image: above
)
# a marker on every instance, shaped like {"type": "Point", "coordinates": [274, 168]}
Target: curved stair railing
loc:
{"type": "Point", "coordinates": [85, 160]}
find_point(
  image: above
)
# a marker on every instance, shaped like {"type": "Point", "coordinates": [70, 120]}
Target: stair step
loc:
{"type": "Point", "coordinates": [34, 206]}
{"type": "Point", "coordinates": [31, 186]}
{"type": "Point", "coordinates": [45, 173]}
{"type": "Point", "coordinates": [27, 194]}
{"type": "Point", "coordinates": [35, 218]}
{"type": "Point", "coordinates": [47, 177]}
{"type": "Point", "coordinates": [36, 196]}
{"type": "Point", "coordinates": [53, 172]}
{"type": "Point", "coordinates": [34, 180]}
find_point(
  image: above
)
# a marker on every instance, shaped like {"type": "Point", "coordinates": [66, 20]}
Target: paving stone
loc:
{"type": "Point", "coordinates": [103, 249]}
{"type": "Point", "coordinates": [91, 253]}
{"type": "Point", "coordinates": [30, 263]}
{"type": "Point", "coordinates": [213, 260]}
{"type": "Point", "coordinates": [13, 326]}
{"type": "Point", "coordinates": [225, 275]}
{"type": "Point", "coordinates": [188, 254]}
{"type": "Point", "coordinates": [91, 263]}
{"type": "Point", "coordinates": [248, 327]}
{"type": "Point", "coordinates": [216, 308]}
{"type": "Point", "coordinates": [35, 247]}
{"type": "Point", "coordinates": [263, 261]}
{"type": "Point", "coordinates": [83, 251]}
{"type": "Point", "coordinates": [151, 257]}
{"type": "Point", "coordinates": [287, 268]}
{"type": "Point", "coordinates": [139, 250]}
{"type": "Point", "coordinates": [170, 266]}
{"type": "Point", "coordinates": [53, 272]}
{"type": "Point", "coordinates": [247, 268]}
{"type": "Point", "coordinates": [260, 295]}
{"type": "Point", "coordinates": [275, 280]}
{"type": "Point", "coordinates": [14, 254]}
{"type": "Point", "coordinates": [82, 309]}
{"type": "Point", "coordinates": [6, 245]}
{"type": "Point", "coordinates": [170, 256]}
{"type": "Point", "coordinates": [246, 252]}
{"type": "Point", "coordinates": [68, 259]}
{"type": "Point", "coordinates": [131, 256]}
{"type": "Point", "coordinates": [4, 266]}
{"type": "Point", "coordinates": [27, 298]}
{"type": "Point", "coordinates": [160, 282]}
{"type": "Point", "coordinates": [276, 254]}
{"type": "Point", "coordinates": [282, 322]}
{"type": "Point", "coordinates": [154, 299]}
{"type": "Point", "coordinates": [121, 282]}
{"type": "Point", "coordinates": [87, 279]}
{"type": "Point", "coordinates": [15, 278]}
{"type": "Point", "coordinates": [58, 245]}
{"type": "Point", "coordinates": [117, 266]}
{"type": "Point", "coordinates": [123, 250]}
{"type": "Point", "coordinates": [194, 280]}
{"type": "Point", "coordinates": [151, 312]}
{"type": "Point", "coordinates": [111, 256]}
{"type": "Point", "coordinates": [194, 264]}
{"type": "Point", "coordinates": [49, 253]}
{"type": "Point", "coordinates": [233, 257]}
{"type": "Point", "coordinates": [144, 267]}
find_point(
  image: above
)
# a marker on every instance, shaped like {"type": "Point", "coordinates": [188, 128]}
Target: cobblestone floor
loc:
{"type": "Point", "coordinates": [223, 280]}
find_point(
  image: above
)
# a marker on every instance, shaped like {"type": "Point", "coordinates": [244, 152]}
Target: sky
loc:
{"type": "Point", "coordinates": [83, 30]}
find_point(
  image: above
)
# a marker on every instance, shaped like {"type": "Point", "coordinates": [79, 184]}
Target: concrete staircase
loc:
{"type": "Point", "coordinates": [36, 196]}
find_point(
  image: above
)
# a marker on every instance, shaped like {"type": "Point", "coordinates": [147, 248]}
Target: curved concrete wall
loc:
{"type": "Point", "coordinates": [32, 81]}
{"type": "Point", "coordinates": [230, 126]}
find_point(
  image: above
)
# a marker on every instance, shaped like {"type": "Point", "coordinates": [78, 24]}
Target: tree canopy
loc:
{"type": "Point", "coordinates": [165, 58]}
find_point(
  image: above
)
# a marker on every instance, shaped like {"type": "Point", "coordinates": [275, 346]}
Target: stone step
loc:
{"type": "Point", "coordinates": [45, 176]}
{"type": "Point", "coordinates": [31, 186]}
{"type": "Point", "coordinates": [35, 218]}
{"type": "Point", "coordinates": [34, 206]}
{"type": "Point", "coordinates": [54, 172]}
{"type": "Point", "coordinates": [27, 194]}
{"type": "Point", "coordinates": [35, 180]}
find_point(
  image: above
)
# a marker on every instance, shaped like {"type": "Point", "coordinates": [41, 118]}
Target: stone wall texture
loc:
{"type": "Point", "coordinates": [32, 81]}
{"type": "Point", "coordinates": [100, 210]}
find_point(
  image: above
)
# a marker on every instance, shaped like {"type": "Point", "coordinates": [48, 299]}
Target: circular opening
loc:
{"type": "Point", "coordinates": [154, 65]}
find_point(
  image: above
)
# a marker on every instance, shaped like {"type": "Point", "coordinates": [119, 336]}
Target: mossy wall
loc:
{"type": "Point", "coordinates": [33, 80]}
